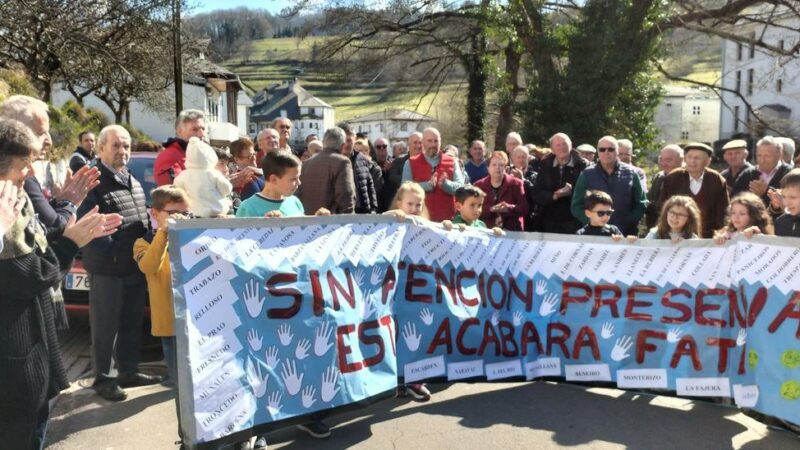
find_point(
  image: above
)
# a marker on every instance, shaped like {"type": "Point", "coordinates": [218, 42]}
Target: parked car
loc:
{"type": "Point", "coordinates": [76, 284]}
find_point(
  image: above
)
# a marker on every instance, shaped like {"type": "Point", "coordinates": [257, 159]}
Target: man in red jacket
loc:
{"type": "Point", "coordinates": [172, 160]}
{"type": "Point", "coordinates": [434, 171]}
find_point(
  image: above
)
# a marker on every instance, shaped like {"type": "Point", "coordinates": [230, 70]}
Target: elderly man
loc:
{"type": "Point", "coordinates": [394, 177]}
{"type": "Point", "coordinates": [326, 180]}
{"type": "Point", "coordinates": [587, 152]}
{"type": "Point", "coordinates": [84, 153]}
{"type": "Point", "coordinates": [284, 128]}
{"type": "Point", "coordinates": [513, 140]}
{"type": "Point", "coordinates": [382, 157]}
{"type": "Point", "coordinates": [669, 159]}
{"type": "Point", "coordinates": [172, 160]}
{"type": "Point", "coordinates": [705, 186]}
{"type": "Point", "coordinates": [552, 191]}
{"type": "Point", "coordinates": [735, 154]}
{"type": "Point", "coordinates": [618, 180]}
{"type": "Point", "coordinates": [787, 146]}
{"type": "Point", "coordinates": [437, 173]}
{"type": "Point", "coordinates": [117, 292]}
{"type": "Point", "coordinates": [768, 172]}
{"type": "Point", "coordinates": [268, 141]}
{"type": "Point", "coordinates": [477, 167]}
{"type": "Point", "coordinates": [625, 154]}
{"type": "Point", "coordinates": [399, 148]}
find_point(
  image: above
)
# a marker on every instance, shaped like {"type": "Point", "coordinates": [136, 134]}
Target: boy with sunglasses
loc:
{"type": "Point", "coordinates": [598, 208]}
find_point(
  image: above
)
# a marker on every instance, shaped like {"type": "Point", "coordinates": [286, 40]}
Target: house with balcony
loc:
{"type": "Point", "coordinates": [210, 88]}
{"type": "Point", "coordinates": [393, 124]}
{"type": "Point", "coordinates": [761, 88]}
{"type": "Point", "coordinates": [309, 114]}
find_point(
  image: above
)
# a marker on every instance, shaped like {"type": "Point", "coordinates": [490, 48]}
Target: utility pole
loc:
{"type": "Point", "coordinates": [177, 51]}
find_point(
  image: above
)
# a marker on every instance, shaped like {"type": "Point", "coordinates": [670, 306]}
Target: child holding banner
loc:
{"type": "Point", "coordinates": [469, 206]}
{"type": "Point", "coordinates": [788, 200]}
{"type": "Point", "coordinates": [409, 201]}
{"type": "Point", "coordinates": [598, 207]}
{"type": "Point", "coordinates": [747, 216]}
{"type": "Point", "coordinates": [679, 220]}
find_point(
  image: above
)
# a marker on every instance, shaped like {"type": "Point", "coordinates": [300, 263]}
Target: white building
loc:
{"type": "Point", "coordinates": [214, 90]}
{"type": "Point", "coordinates": [391, 124]}
{"type": "Point", "coordinates": [770, 83]}
{"type": "Point", "coordinates": [688, 115]}
{"type": "Point", "coordinates": [309, 114]}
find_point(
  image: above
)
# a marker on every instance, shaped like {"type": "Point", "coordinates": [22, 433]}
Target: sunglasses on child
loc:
{"type": "Point", "coordinates": [604, 212]}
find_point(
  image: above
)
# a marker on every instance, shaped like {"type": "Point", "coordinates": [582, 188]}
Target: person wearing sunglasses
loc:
{"type": "Point", "coordinates": [599, 207]}
{"type": "Point", "coordinates": [619, 181]}
{"type": "Point", "coordinates": [284, 128]}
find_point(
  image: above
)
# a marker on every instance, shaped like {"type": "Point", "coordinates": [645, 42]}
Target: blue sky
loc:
{"type": "Point", "coordinates": [273, 6]}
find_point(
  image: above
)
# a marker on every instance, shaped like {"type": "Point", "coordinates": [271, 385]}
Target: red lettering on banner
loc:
{"type": "Point", "coordinates": [343, 349]}
{"type": "Point", "coordinates": [371, 339]}
{"type": "Point", "coordinates": [742, 359]}
{"type": "Point", "coordinates": [412, 282]}
{"type": "Point", "coordinates": [291, 311]}
{"type": "Point", "coordinates": [756, 305]}
{"type": "Point", "coordinates": [365, 340]}
{"type": "Point", "coordinates": [633, 303]}
{"type": "Point", "coordinates": [388, 322]}
{"type": "Point", "coordinates": [586, 338]}
{"type": "Point", "coordinates": [496, 279]}
{"type": "Point", "coordinates": [736, 316]}
{"type": "Point", "coordinates": [686, 347]}
{"type": "Point", "coordinates": [700, 307]}
{"type": "Point", "coordinates": [560, 340]}
{"type": "Point", "coordinates": [685, 310]}
{"type": "Point", "coordinates": [336, 289]}
{"type": "Point", "coordinates": [467, 274]}
{"type": "Point", "coordinates": [510, 348]}
{"type": "Point", "coordinates": [525, 297]}
{"type": "Point", "coordinates": [443, 281]}
{"type": "Point", "coordinates": [389, 281]}
{"type": "Point", "coordinates": [489, 337]}
{"type": "Point", "coordinates": [530, 335]}
{"type": "Point", "coordinates": [316, 292]}
{"type": "Point", "coordinates": [463, 349]}
{"type": "Point", "coordinates": [642, 346]}
{"type": "Point", "coordinates": [724, 345]}
{"type": "Point", "coordinates": [790, 311]}
{"type": "Point", "coordinates": [567, 297]}
{"type": "Point", "coordinates": [442, 337]}
{"type": "Point", "coordinates": [611, 303]}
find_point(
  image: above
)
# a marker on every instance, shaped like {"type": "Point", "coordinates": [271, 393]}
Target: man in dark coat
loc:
{"type": "Point", "coordinates": [768, 172]}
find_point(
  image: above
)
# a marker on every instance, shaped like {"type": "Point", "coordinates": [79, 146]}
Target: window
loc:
{"type": "Point", "coordinates": [750, 73]}
{"type": "Point", "coordinates": [780, 44]}
{"type": "Point", "coordinates": [301, 125]}
{"type": "Point", "coordinates": [752, 45]}
{"type": "Point", "coordinates": [738, 81]}
{"type": "Point", "coordinates": [695, 110]}
{"type": "Point", "coordinates": [735, 118]}
{"type": "Point", "coordinates": [779, 84]}
{"type": "Point", "coordinates": [403, 126]}
{"type": "Point", "coordinates": [685, 135]}
{"type": "Point", "coordinates": [739, 48]}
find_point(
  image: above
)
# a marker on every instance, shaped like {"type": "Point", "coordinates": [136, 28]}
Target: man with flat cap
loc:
{"type": "Point", "coordinates": [735, 154]}
{"type": "Point", "coordinates": [705, 186]}
{"type": "Point", "coordinates": [587, 152]}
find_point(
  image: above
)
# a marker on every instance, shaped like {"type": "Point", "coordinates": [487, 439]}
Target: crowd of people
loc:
{"type": "Point", "coordinates": [100, 207]}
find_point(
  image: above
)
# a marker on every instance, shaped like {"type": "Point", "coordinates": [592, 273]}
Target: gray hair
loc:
{"type": "Point", "coordinates": [521, 148]}
{"type": "Point", "coordinates": [610, 139]}
{"type": "Point", "coordinates": [116, 129]}
{"type": "Point", "coordinates": [275, 121]}
{"type": "Point", "coordinates": [788, 147]}
{"type": "Point", "coordinates": [16, 141]}
{"type": "Point", "coordinates": [769, 140]}
{"type": "Point", "coordinates": [188, 115]}
{"type": "Point", "coordinates": [625, 143]}
{"type": "Point", "coordinates": [416, 133]}
{"type": "Point", "coordinates": [23, 109]}
{"type": "Point", "coordinates": [514, 135]}
{"type": "Point", "coordinates": [333, 139]}
{"type": "Point", "coordinates": [400, 144]}
{"type": "Point", "coordinates": [562, 136]}
{"type": "Point", "coordinates": [675, 148]}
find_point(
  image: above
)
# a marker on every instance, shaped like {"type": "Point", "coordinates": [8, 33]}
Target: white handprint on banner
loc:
{"type": "Point", "coordinates": [495, 318]}
{"type": "Point", "coordinates": [607, 332]}
{"type": "Point", "coordinates": [291, 380]}
{"type": "Point", "coordinates": [741, 338]}
{"type": "Point", "coordinates": [285, 334]}
{"type": "Point", "coordinates": [301, 352]}
{"type": "Point", "coordinates": [367, 307]}
{"type": "Point", "coordinates": [674, 335]}
{"type": "Point", "coordinates": [621, 348]}
{"type": "Point", "coordinates": [272, 357]}
{"type": "Point", "coordinates": [548, 305]}
{"type": "Point", "coordinates": [377, 276]}
{"type": "Point", "coordinates": [254, 340]}
{"type": "Point", "coordinates": [411, 337]}
{"type": "Point", "coordinates": [322, 339]}
{"type": "Point", "coordinates": [308, 396]}
{"type": "Point", "coordinates": [329, 388]}
{"type": "Point", "coordinates": [426, 316]}
{"type": "Point", "coordinates": [252, 301]}
{"type": "Point", "coordinates": [256, 378]}
{"type": "Point", "coordinates": [359, 276]}
{"type": "Point", "coordinates": [541, 288]}
{"type": "Point", "coordinates": [274, 404]}
{"type": "Point", "coordinates": [518, 318]}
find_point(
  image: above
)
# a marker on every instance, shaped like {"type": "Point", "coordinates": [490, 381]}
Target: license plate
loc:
{"type": "Point", "coordinates": [77, 281]}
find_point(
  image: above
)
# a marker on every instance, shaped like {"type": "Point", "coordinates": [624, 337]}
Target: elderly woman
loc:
{"type": "Point", "coordinates": [31, 371]}
{"type": "Point", "coordinates": [522, 168]}
{"type": "Point", "coordinates": [505, 205]}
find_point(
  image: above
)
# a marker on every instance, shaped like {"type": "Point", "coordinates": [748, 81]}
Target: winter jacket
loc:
{"type": "Point", "coordinates": [366, 195]}
{"type": "Point", "coordinates": [511, 191]}
{"type": "Point", "coordinates": [555, 215]}
{"type": "Point", "coordinates": [170, 162]}
{"type": "Point", "coordinates": [206, 187]}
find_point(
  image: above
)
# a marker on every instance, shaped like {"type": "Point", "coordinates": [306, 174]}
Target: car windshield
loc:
{"type": "Point", "coordinates": [142, 170]}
